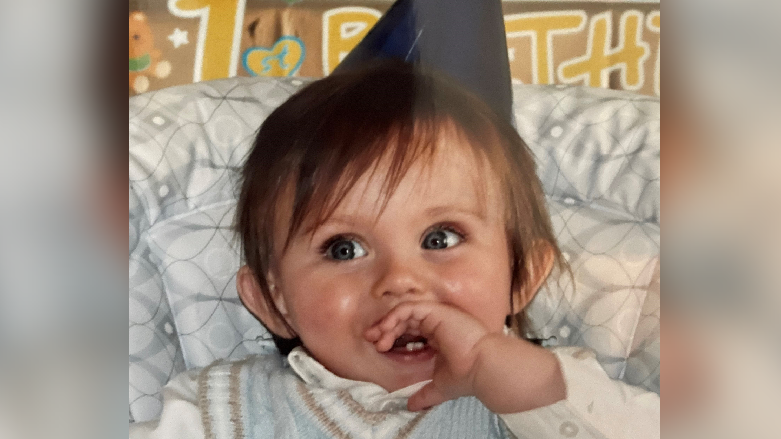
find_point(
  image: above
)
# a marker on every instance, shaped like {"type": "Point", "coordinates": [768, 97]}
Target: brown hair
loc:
{"type": "Point", "coordinates": [315, 146]}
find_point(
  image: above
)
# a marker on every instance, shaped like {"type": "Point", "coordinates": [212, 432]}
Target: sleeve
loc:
{"type": "Point", "coordinates": [596, 406]}
{"type": "Point", "coordinates": [181, 417]}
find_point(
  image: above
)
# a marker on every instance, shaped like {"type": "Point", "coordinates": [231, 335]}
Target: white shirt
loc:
{"type": "Point", "coordinates": [595, 407]}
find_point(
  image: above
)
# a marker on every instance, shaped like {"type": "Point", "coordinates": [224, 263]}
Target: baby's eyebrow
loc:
{"type": "Point", "coordinates": [313, 226]}
{"type": "Point", "coordinates": [443, 209]}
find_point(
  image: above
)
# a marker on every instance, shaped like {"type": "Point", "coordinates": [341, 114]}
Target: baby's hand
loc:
{"type": "Point", "coordinates": [455, 336]}
{"type": "Point", "coordinates": [507, 374]}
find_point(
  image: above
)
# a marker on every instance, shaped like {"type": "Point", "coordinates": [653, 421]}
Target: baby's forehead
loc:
{"type": "Point", "coordinates": [453, 177]}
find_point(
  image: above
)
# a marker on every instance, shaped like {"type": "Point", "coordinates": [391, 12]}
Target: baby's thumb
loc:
{"type": "Point", "coordinates": [427, 397]}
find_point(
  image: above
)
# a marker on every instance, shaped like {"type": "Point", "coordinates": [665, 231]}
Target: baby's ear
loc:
{"type": "Point", "coordinates": [539, 265]}
{"type": "Point", "coordinates": [260, 304]}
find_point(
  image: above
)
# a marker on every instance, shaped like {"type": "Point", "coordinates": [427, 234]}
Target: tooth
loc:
{"type": "Point", "coordinates": [414, 346]}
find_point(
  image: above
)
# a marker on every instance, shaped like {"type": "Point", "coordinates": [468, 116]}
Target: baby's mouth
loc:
{"type": "Point", "coordinates": [409, 343]}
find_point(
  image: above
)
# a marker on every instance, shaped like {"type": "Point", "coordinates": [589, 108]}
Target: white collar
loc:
{"type": "Point", "coordinates": [371, 396]}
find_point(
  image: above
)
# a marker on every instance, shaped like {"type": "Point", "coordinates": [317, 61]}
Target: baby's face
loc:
{"type": "Point", "coordinates": [441, 237]}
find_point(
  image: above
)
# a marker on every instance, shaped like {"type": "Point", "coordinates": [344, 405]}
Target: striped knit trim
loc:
{"type": "Point", "coordinates": [372, 418]}
{"type": "Point", "coordinates": [219, 398]}
{"type": "Point", "coordinates": [235, 400]}
{"type": "Point", "coordinates": [325, 421]}
{"type": "Point", "coordinates": [407, 430]}
{"type": "Point", "coordinates": [203, 401]}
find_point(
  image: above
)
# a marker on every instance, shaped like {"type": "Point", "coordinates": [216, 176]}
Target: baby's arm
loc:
{"type": "Point", "coordinates": [596, 406]}
{"type": "Point", "coordinates": [537, 392]}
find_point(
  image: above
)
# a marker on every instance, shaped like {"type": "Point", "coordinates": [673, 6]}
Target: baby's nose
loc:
{"type": "Point", "coordinates": [401, 277]}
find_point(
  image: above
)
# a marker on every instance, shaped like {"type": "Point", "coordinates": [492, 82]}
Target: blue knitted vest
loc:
{"type": "Point", "coordinates": [261, 397]}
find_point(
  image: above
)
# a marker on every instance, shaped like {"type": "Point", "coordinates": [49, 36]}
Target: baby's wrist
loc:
{"type": "Point", "coordinates": [514, 375]}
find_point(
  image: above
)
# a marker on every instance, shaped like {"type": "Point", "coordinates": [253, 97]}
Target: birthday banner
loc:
{"type": "Point", "coordinates": [598, 44]}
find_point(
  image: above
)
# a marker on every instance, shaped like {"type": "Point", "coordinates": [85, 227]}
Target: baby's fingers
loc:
{"type": "Point", "coordinates": [387, 337]}
{"type": "Point", "coordinates": [405, 318]}
{"type": "Point", "coordinates": [373, 334]}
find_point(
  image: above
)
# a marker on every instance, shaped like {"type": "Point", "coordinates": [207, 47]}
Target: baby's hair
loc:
{"type": "Point", "coordinates": [313, 148]}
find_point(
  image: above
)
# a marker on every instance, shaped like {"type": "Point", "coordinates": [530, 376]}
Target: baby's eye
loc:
{"type": "Point", "coordinates": [344, 249]}
{"type": "Point", "coordinates": [441, 238]}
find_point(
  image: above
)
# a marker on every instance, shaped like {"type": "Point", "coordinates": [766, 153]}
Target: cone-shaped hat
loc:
{"type": "Point", "coordinates": [462, 38]}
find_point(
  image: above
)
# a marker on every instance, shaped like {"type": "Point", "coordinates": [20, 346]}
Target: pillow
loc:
{"type": "Point", "coordinates": [598, 155]}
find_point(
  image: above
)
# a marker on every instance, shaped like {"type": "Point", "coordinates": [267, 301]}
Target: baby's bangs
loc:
{"type": "Point", "coordinates": [356, 152]}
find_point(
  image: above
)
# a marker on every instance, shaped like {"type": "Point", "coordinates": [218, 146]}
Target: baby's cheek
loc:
{"type": "Point", "coordinates": [326, 315]}
{"type": "Point", "coordinates": [479, 291]}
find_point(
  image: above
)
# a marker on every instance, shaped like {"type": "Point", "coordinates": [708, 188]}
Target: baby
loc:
{"type": "Point", "coordinates": [392, 224]}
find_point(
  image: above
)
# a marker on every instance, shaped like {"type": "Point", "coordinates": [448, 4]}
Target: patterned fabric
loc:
{"type": "Point", "coordinates": [598, 154]}
{"type": "Point", "coordinates": [598, 159]}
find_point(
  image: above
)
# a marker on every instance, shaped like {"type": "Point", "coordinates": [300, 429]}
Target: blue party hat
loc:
{"type": "Point", "coordinates": [462, 38]}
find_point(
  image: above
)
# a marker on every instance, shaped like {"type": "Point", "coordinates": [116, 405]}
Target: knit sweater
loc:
{"type": "Point", "coordinates": [260, 398]}
{"type": "Point", "coordinates": [270, 397]}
